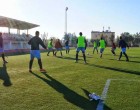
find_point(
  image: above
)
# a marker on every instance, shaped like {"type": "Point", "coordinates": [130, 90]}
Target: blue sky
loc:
{"type": "Point", "coordinates": [83, 15]}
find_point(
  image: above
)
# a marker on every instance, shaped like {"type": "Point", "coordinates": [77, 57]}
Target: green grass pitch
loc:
{"type": "Point", "coordinates": [66, 84]}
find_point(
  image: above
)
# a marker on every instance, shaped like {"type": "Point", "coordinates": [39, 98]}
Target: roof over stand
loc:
{"type": "Point", "coordinates": [16, 24]}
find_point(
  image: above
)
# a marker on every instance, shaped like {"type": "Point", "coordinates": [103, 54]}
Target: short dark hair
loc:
{"type": "Point", "coordinates": [37, 32]}
{"type": "Point", "coordinates": [120, 37]}
{"type": "Point", "coordinates": [80, 34]}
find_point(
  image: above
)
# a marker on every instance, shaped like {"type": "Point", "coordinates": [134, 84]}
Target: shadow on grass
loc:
{"type": "Point", "coordinates": [133, 57]}
{"type": "Point", "coordinates": [117, 69]}
{"type": "Point", "coordinates": [135, 61]}
{"type": "Point", "coordinates": [109, 54]}
{"type": "Point", "coordinates": [129, 61]}
{"type": "Point", "coordinates": [70, 95]}
{"type": "Point", "coordinates": [67, 58]}
{"type": "Point", "coordinates": [89, 56]}
{"type": "Point", "coordinates": [70, 58]}
{"type": "Point", "coordinates": [4, 76]}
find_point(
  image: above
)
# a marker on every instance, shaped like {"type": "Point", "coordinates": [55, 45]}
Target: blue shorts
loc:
{"type": "Point", "coordinates": [81, 48]}
{"type": "Point", "coordinates": [50, 49]}
{"type": "Point", "coordinates": [58, 49]}
{"type": "Point", "coordinates": [123, 50]}
{"type": "Point", "coordinates": [101, 50]}
{"type": "Point", "coordinates": [1, 50]}
{"type": "Point", "coordinates": [35, 54]}
{"type": "Point", "coordinates": [67, 47]}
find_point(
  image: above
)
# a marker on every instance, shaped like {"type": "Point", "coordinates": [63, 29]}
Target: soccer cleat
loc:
{"type": "Point", "coordinates": [101, 56]}
{"type": "Point", "coordinates": [85, 62]}
{"type": "Point", "coordinates": [118, 59]}
{"type": "Point", "coordinates": [127, 59]}
{"type": "Point", "coordinates": [42, 70]}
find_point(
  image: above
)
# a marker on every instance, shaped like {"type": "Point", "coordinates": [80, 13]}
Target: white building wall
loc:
{"type": "Point", "coordinates": [97, 35]}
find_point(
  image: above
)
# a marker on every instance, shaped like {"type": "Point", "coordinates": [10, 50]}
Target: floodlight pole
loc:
{"type": "Point", "coordinates": [66, 20]}
{"type": "Point", "coordinates": [9, 30]}
{"type": "Point", "coordinates": [27, 31]}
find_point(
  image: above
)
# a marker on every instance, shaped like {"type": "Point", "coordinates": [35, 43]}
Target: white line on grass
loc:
{"type": "Point", "coordinates": [103, 96]}
{"type": "Point", "coordinates": [100, 105]}
{"type": "Point", "coordinates": [126, 80]}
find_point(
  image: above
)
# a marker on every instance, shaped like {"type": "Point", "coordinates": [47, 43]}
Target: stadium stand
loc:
{"type": "Point", "coordinates": [16, 43]}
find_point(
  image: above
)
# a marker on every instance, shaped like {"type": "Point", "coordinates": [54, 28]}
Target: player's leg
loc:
{"type": "Point", "coordinates": [3, 58]}
{"type": "Point", "coordinates": [93, 49]}
{"type": "Point", "coordinates": [101, 52]}
{"type": "Point", "coordinates": [112, 50]}
{"type": "Point", "coordinates": [38, 56]}
{"type": "Point", "coordinates": [127, 59]}
{"type": "Point", "coordinates": [84, 56]}
{"type": "Point", "coordinates": [40, 63]}
{"type": "Point", "coordinates": [31, 60]}
{"type": "Point", "coordinates": [61, 52]}
{"type": "Point", "coordinates": [30, 64]}
{"type": "Point", "coordinates": [97, 50]}
{"type": "Point", "coordinates": [2, 55]}
{"type": "Point", "coordinates": [39, 59]}
{"type": "Point", "coordinates": [48, 52]}
{"type": "Point", "coordinates": [120, 55]}
{"type": "Point", "coordinates": [77, 51]}
{"type": "Point", "coordinates": [53, 52]}
{"type": "Point", "coordinates": [66, 49]}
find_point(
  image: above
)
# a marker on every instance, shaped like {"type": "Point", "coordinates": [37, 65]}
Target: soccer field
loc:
{"type": "Point", "coordinates": [67, 84]}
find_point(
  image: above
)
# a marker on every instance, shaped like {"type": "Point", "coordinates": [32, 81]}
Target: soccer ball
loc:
{"type": "Point", "coordinates": [87, 53]}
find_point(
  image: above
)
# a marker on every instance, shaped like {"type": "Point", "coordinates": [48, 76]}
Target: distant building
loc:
{"type": "Point", "coordinates": [107, 35]}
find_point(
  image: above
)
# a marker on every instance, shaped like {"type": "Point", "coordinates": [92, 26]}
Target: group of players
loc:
{"type": "Point", "coordinates": [102, 45]}
{"type": "Point", "coordinates": [81, 46]}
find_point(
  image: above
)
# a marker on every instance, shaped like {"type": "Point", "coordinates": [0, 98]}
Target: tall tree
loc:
{"type": "Point", "coordinates": [73, 40]}
{"type": "Point", "coordinates": [128, 37]}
